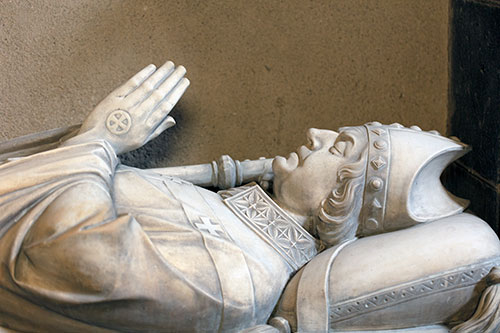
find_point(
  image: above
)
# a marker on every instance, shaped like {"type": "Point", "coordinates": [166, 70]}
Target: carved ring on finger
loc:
{"type": "Point", "coordinates": [119, 122]}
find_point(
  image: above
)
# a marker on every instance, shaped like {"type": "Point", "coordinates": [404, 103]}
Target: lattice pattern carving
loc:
{"type": "Point", "coordinates": [274, 225]}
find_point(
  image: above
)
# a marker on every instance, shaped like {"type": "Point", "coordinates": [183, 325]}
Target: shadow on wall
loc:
{"type": "Point", "coordinates": [261, 72]}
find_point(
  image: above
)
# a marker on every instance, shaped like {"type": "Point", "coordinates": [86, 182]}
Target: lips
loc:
{"type": "Point", "coordinates": [303, 152]}
{"type": "Point", "coordinates": [293, 160]}
{"type": "Point", "coordinates": [281, 164]}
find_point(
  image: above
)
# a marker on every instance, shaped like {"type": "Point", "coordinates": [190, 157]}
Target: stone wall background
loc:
{"type": "Point", "coordinates": [261, 71]}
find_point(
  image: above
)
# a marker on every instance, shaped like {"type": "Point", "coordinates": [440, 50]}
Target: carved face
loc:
{"type": "Point", "coordinates": [307, 176]}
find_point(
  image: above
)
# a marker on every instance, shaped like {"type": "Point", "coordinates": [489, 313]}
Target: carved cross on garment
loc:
{"type": "Point", "coordinates": [208, 226]}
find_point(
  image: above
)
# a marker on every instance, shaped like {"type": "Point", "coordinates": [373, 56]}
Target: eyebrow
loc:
{"type": "Point", "coordinates": [346, 136]}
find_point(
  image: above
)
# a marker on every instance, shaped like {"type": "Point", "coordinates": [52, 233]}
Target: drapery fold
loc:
{"type": "Point", "coordinates": [71, 260]}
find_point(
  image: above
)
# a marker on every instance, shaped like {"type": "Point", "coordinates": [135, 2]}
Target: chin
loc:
{"type": "Point", "coordinates": [279, 180]}
{"type": "Point", "coordinates": [283, 165]}
{"type": "Point", "coordinates": [282, 171]}
{"type": "Point", "coordinates": [279, 165]}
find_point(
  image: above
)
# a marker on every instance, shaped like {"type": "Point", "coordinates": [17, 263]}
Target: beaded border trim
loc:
{"type": "Point", "coordinates": [462, 277]}
{"type": "Point", "coordinates": [377, 177]}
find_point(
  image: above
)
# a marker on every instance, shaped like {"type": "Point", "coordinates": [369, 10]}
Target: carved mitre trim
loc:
{"type": "Point", "coordinates": [377, 176]}
{"type": "Point", "coordinates": [402, 185]}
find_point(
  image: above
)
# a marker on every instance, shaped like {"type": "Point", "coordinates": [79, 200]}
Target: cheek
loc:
{"type": "Point", "coordinates": [322, 180]}
{"type": "Point", "coordinates": [306, 188]}
{"type": "Point", "coordinates": [322, 168]}
{"type": "Point", "coordinates": [303, 189]}
{"type": "Point", "coordinates": [321, 186]}
{"type": "Point", "coordinates": [296, 192]}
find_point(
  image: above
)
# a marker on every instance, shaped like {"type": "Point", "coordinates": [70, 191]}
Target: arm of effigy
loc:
{"type": "Point", "coordinates": [136, 112]}
{"type": "Point", "coordinates": [68, 255]}
{"type": "Point", "coordinates": [129, 117]}
{"type": "Point", "coordinates": [66, 246]}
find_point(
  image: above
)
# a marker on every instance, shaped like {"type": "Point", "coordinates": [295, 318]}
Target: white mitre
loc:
{"type": "Point", "coordinates": [402, 184]}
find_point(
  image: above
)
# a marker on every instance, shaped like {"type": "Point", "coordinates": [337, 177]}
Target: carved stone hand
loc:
{"type": "Point", "coordinates": [136, 112]}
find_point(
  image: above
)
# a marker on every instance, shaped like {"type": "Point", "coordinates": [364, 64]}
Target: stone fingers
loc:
{"type": "Point", "coordinates": [135, 81]}
{"type": "Point", "coordinates": [166, 105]}
{"type": "Point", "coordinates": [150, 85]}
{"type": "Point", "coordinates": [167, 123]}
{"type": "Point", "coordinates": [163, 92]}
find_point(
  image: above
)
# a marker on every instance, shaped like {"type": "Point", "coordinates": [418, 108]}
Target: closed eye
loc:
{"type": "Point", "coordinates": [343, 145]}
{"type": "Point", "coordinates": [338, 148]}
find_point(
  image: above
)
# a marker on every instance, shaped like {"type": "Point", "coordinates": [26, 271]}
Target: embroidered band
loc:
{"type": "Point", "coordinates": [273, 225]}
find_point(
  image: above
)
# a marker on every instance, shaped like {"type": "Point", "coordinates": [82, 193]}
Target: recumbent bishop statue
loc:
{"type": "Point", "coordinates": [358, 234]}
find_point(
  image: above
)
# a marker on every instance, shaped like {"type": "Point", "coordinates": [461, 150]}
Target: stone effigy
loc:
{"type": "Point", "coordinates": [357, 235]}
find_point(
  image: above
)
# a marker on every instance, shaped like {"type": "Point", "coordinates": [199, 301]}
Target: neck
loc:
{"type": "Point", "coordinates": [301, 219]}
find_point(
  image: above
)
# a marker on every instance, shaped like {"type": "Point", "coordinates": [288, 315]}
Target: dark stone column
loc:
{"type": "Point", "coordinates": [475, 105]}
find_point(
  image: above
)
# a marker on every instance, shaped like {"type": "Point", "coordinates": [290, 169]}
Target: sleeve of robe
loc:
{"type": "Point", "coordinates": [64, 247]}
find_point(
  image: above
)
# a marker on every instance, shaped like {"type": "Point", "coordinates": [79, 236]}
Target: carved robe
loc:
{"type": "Point", "coordinates": [88, 245]}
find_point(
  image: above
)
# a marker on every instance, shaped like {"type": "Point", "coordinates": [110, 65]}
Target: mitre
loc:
{"type": "Point", "coordinates": [402, 184]}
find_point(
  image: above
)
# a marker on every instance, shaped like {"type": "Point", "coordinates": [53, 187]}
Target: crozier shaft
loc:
{"type": "Point", "coordinates": [223, 173]}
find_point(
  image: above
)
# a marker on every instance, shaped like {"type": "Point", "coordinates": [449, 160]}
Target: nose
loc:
{"type": "Point", "coordinates": [321, 137]}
